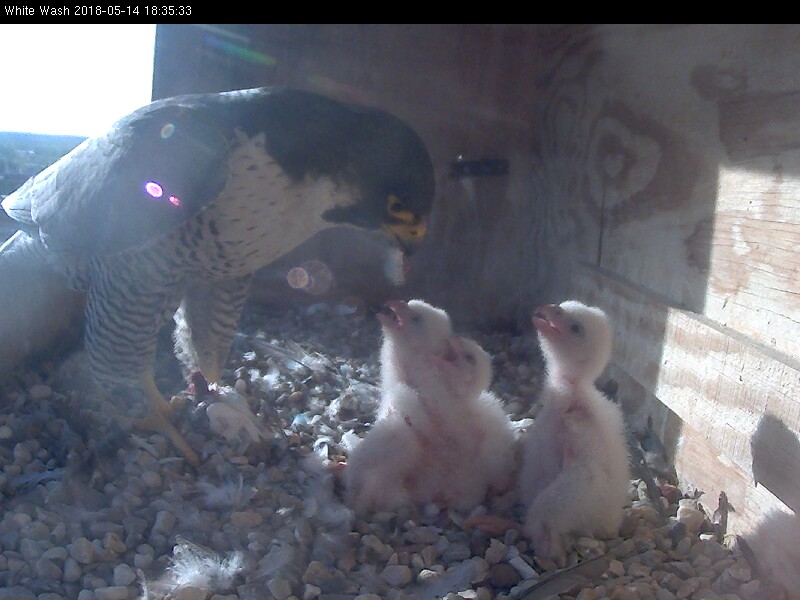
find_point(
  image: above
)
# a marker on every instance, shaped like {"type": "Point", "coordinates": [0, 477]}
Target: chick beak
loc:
{"type": "Point", "coordinates": [393, 314]}
{"type": "Point", "coordinates": [546, 319]}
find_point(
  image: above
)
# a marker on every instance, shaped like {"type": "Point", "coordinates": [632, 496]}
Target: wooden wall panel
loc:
{"type": "Point", "coordinates": [755, 256]}
{"type": "Point", "coordinates": [691, 166]}
{"type": "Point", "coordinates": [738, 404]}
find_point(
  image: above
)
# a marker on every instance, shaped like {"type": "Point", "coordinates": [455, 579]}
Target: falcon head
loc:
{"type": "Point", "coordinates": [376, 157]}
{"type": "Point", "coordinates": [391, 175]}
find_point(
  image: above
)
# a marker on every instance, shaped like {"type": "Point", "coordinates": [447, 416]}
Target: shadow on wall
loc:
{"type": "Point", "coordinates": [776, 466]}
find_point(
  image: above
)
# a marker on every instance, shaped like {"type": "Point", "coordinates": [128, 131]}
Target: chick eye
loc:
{"type": "Point", "coordinates": [470, 358]}
{"type": "Point", "coordinates": [416, 318]}
{"type": "Point", "coordinates": [576, 328]}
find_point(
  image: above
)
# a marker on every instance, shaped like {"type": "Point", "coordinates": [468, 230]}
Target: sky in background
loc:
{"type": "Point", "coordinates": [73, 79]}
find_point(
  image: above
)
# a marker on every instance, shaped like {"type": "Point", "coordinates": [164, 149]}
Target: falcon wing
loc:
{"type": "Point", "coordinates": [150, 173]}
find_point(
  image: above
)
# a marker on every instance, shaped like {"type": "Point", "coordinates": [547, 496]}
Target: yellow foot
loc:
{"type": "Point", "coordinates": [157, 419]}
{"type": "Point", "coordinates": [160, 423]}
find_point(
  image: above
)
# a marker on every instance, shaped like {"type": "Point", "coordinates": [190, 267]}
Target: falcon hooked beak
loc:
{"type": "Point", "coordinates": [405, 227]}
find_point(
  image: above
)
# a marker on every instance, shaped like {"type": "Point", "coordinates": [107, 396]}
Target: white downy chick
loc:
{"type": "Point", "coordinates": [575, 466]}
{"type": "Point", "coordinates": [439, 436]}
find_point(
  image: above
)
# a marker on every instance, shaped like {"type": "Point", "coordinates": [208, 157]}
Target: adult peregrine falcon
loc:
{"type": "Point", "coordinates": [182, 200]}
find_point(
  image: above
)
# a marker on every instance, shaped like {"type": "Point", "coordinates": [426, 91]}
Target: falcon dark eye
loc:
{"type": "Point", "coordinates": [576, 328]}
{"type": "Point", "coordinates": [396, 206]}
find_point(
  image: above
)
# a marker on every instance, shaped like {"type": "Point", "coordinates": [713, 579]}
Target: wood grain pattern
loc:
{"type": "Point", "coordinates": [687, 162]}
{"type": "Point", "coordinates": [755, 257]}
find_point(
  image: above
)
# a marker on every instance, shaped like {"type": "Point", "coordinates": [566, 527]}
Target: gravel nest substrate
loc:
{"type": "Point", "coordinates": [94, 511]}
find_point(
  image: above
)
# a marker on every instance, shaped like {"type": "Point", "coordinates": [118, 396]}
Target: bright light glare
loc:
{"type": "Point", "coordinates": [73, 79]}
{"type": "Point", "coordinates": [155, 190]}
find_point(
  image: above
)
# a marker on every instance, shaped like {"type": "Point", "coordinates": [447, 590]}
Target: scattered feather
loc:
{"type": "Point", "coordinates": [233, 419]}
{"type": "Point", "coordinates": [229, 495]}
{"type": "Point", "coordinates": [194, 566]}
{"type": "Point", "coordinates": [569, 579]}
{"type": "Point", "coordinates": [294, 356]}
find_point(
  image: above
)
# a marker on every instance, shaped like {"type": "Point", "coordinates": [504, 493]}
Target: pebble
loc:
{"type": "Point", "coordinates": [112, 592]}
{"type": "Point", "coordinates": [622, 592]}
{"type": "Point", "coordinates": [624, 549]}
{"type": "Point", "coordinates": [422, 535]}
{"type": "Point", "coordinates": [72, 570]}
{"type": "Point", "coordinates": [56, 553]}
{"type": "Point", "coordinates": [82, 550]}
{"type": "Point", "coordinates": [124, 575]}
{"type": "Point", "coordinates": [616, 568]}
{"type": "Point", "coordinates": [317, 574]}
{"type": "Point", "coordinates": [496, 551]}
{"type": "Point", "coordinates": [21, 454]}
{"type": "Point", "coordinates": [663, 594]}
{"type": "Point", "coordinates": [246, 519]}
{"type": "Point", "coordinates": [503, 575]}
{"type": "Point", "coordinates": [586, 594]}
{"type": "Point", "coordinates": [711, 549]}
{"type": "Point", "coordinates": [142, 561]}
{"type": "Point", "coordinates": [639, 570]}
{"type": "Point", "coordinates": [456, 552]}
{"type": "Point", "coordinates": [280, 588]}
{"type": "Point", "coordinates": [16, 593]}
{"type": "Point", "coordinates": [684, 546]}
{"type": "Point", "coordinates": [47, 569]}
{"type": "Point", "coordinates": [191, 592]}
{"type": "Point", "coordinates": [164, 523]}
{"type": "Point", "coordinates": [36, 530]}
{"type": "Point", "coordinates": [397, 575]}
{"type": "Point", "coordinates": [691, 517]}
{"type": "Point", "coordinates": [374, 543]}
{"type": "Point", "coordinates": [523, 568]}
{"type": "Point", "coordinates": [40, 392]}
{"type": "Point", "coordinates": [30, 549]}
{"type": "Point", "coordinates": [113, 542]}
{"type": "Point", "coordinates": [429, 574]}
{"type": "Point", "coordinates": [151, 479]}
